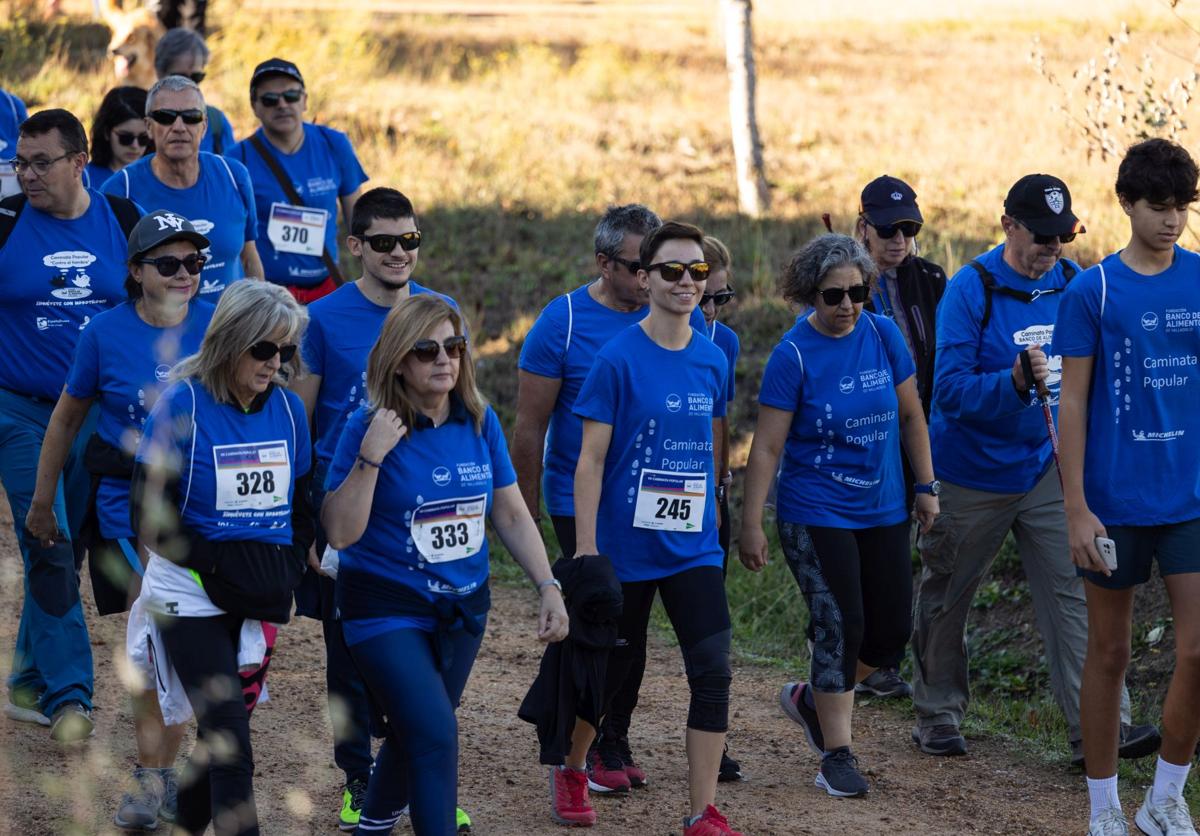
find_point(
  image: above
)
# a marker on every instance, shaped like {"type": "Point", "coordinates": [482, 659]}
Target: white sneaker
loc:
{"type": "Point", "coordinates": [1169, 818]}
{"type": "Point", "coordinates": [1109, 823]}
{"type": "Point", "coordinates": [25, 715]}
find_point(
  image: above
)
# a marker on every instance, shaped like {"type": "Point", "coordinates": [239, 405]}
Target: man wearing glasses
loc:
{"type": "Point", "coordinates": [992, 451]}
{"type": "Point", "coordinates": [62, 261]}
{"type": "Point", "coordinates": [301, 172]}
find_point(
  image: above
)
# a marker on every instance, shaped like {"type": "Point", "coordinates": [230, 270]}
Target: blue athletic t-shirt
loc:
{"type": "Point", "coordinates": [563, 343]}
{"type": "Point", "coordinates": [432, 498]}
{"type": "Point", "coordinates": [125, 362]}
{"type": "Point", "coordinates": [95, 176]}
{"type": "Point", "coordinates": [983, 433]}
{"type": "Point", "coordinates": [56, 274]}
{"type": "Point", "coordinates": [12, 114]}
{"type": "Point", "coordinates": [841, 461]}
{"type": "Point", "coordinates": [323, 169]}
{"type": "Point", "coordinates": [237, 469]}
{"type": "Point", "coordinates": [726, 339]}
{"type": "Point", "coordinates": [228, 140]}
{"type": "Point", "coordinates": [342, 330]}
{"type": "Point", "coordinates": [659, 469]}
{"type": "Point", "coordinates": [1142, 465]}
{"type": "Point", "coordinates": [220, 205]}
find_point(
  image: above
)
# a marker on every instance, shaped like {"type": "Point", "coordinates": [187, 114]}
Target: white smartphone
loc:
{"type": "Point", "coordinates": [1108, 552]}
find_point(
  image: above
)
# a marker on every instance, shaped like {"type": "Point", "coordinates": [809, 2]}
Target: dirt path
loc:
{"type": "Point", "coordinates": [47, 789]}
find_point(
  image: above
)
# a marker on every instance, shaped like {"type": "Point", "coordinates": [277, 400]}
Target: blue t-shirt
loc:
{"type": "Point", "coordinates": [659, 468]}
{"type": "Point", "coordinates": [95, 176]}
{"type": "Point", "coordinates": [216, 117]}
{"type": "Point", "coordinates": [1141, 467]}
{"type": "Point", "coordinates": [220, 205]}
{"type": "Point", "coordinates": [841, 461]}
{"type": "Point", "coordinates": [12, 114]}
{"type": "Point", "coordinates": [426, 528]}
{"type": "Point", "coordinates": [237, 470]}
{"type": "Point", "coordinates": [125, 362]}
{"type": "Point", "coordinates": [342, 330]}
{"type": "Point", "coordinates": [726, 339]}
{"type": "Point", "coordinates": [56, 274]}
{"type": "Point", "coordinates": [983, 433]}
{"type": "Point", "coordinates": [322, 170]}
{"type": "Point", "coordinates": [563, 343]}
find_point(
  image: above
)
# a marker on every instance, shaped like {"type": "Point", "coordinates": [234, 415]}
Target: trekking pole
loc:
{"type": "Point", "coordinates": [1043, 395]}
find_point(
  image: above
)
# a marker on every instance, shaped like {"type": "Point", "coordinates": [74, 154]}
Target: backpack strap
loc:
{"type": "Point", "coordinates": [126, 211]}
{"type": "Point", "coordinates": [1026, 296]}
{"type": "Point", "coordinates": [10, 210]}
{"type": "Point", "coordinates": [217, 129]}
{"type": "Point", "coordinates": [192, 451]}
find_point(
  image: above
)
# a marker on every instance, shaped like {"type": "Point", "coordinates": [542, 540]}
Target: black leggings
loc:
{"type": "Point", "coordinates": [218, 785]}
{"type": "Point", "coordinates": [858, 587]}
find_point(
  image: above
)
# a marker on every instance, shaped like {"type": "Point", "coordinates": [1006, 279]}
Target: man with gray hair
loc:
{"type": "Point", "coordinates": [213, 191]}
{"type": "Point", "coordinates": [184, 52]}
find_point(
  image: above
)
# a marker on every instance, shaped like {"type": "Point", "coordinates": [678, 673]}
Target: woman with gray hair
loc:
{"type": "Point", "coordinates": [220, 507]}
{"type": "Point", "coordinates": [838, 397]}
{"type": "Point", "coordinates": [214, 192]}
{"type": "Point", "coordinates": [184, 52]}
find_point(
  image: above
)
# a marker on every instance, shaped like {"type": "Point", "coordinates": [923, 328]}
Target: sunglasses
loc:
{"type": "Point", "coordinates": [264, 350]}
{"type": "Point", "coordinates": [289, 96]}
{"type": "Point", "coordinates": [632, 266]}
{"type": "Point", "coordinates": [191, 116]}
{"type": "Point", "coordinates": [832, 296]}
{"type": "Point", "coordinates": [672, 271]}
{"type": "Point", "coordinates": [195, 77]}
{"type": "Point", "coordinates": [408, 241]}
{"type": "Point", "coordinates": [168, 265]}
{"type": "Point", "coordinates": [719, 298]}
{"type": "Point", "coordinates": [427, 350]}
{"type": "Point", "coordinates": [1043, 240]}
{"type": "Point", "coordinates": [908, 229]}
{"type": "Point", "coordinates": [126, 138]}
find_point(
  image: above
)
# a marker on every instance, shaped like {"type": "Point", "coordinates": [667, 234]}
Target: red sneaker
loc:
{"type": "Point", "coordinates": [569, 803]}
{"type": "Point", "coordinates": [606, 772]}
{"type": "Point", "coordinates": [710, 823]}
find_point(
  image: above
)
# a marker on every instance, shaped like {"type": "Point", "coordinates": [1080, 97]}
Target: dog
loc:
{"type": "Point", "coordinates": [135, 32]}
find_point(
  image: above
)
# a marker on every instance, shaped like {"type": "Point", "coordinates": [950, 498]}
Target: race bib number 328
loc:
{"type": "Point", "coordinates": [669, 501]}
{"type": "Point", "coordinates": [253, 476]}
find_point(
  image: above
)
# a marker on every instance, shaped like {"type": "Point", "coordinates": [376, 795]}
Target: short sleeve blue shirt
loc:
{"type": "Point", "coordinates": [659, 468]}
{"type": "Point", "coordinates": [125, 363]}
{"type": "Point", "coordinates": [1142, 464]}
{"type": "Point", "coordinates": [12, 114]}
{"type": "Point", "coordinates": [323, 169]}
{"type": "Point", "coordinates": [726, 339]}
{"type": "Point", "coordinates": [841, 460]}
{"type": "Point", "coordinates": [220, 205]}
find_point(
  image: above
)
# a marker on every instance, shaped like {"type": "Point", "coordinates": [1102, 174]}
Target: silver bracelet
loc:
{"type": "Point", "coordinates": [551, 582]}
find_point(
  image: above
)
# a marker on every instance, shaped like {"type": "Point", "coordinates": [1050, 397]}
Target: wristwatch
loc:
{"type": "Point", "coordinates": [934, 487]}
{"type": "Point", "coordinates": [552, 582]}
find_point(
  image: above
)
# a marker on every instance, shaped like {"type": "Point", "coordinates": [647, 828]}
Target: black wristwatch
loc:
{"type": "Point", "coordinates": [934, 487]}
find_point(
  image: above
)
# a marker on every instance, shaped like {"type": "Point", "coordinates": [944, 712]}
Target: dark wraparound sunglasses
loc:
{"type": "Point", "coordinates": [126, 138]}
{"type": "Point", "coordinates": [195, 77]}
{"type": "Point", "coordinates": [427, 350]}
{"type": "Point", "coordinates": [832, 296]}
{"type": "Point", "coordinates": [408, 241]}
{"type": "Point", "coordinates": [672, 271]}
{"type": "Point", "coordinates": [272, 99]}
{"type": "Point", "coordinates": [888, 231]}
{"type": "Point", "coordinates": [632, 266]}
{"type": "Point", "coordinates": [168, 265]}
{"type": "Point", "coordinates": [1043, 240]}
{"type": "Point", "coordinates": [190, 116]}
{"type": "Point", "coordinates": [719, 298]}
{"type": "Point", "coordinates": [264, 350]}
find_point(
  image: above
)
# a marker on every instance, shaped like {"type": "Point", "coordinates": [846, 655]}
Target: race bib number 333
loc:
{"type": "Point", "coordinates": [449, 529]}
{"type": "Point", "coordinates": [253, 476]}
{"type": "Point", "coordinates": [669, 501]}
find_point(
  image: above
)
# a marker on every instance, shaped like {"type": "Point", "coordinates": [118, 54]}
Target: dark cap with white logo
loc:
{"type": "Point", "coordinates": [162, 227]}
{"type": "Point", "coordinates": [1042, 203]}
{"type": "Point", "coordinates": [275, 66]}
{"type": "Point", "coordinates": [889, 200]}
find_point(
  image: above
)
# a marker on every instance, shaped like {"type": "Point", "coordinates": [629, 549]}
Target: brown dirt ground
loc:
{"type": "Point", "coordinates": [49, 789]}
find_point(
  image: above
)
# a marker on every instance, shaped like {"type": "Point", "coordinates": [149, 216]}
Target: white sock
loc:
{"type": "Point", "coordinates": [1168, 780]}
{"type": "Point", "coordinates": [1102, 792]}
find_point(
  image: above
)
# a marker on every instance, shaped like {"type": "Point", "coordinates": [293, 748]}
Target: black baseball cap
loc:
{"type": "Point", "coordinates": [162, 227]}
{"type": "Point", "coordinates": [1042, 203]}
{"type": "Point", "coordinates": [889, 200]}
{"type": "Point", "coordinates": [275, 66]}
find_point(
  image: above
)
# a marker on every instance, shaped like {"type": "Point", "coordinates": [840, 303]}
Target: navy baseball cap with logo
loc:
{"type": "Point", "coordinates": [1042, 203]}
{"type": "Point", "coordinates": [162, 227]}
{"type": "Point", "coordinates": [889, 200]}
{"type": "Point", "coordinates": [275, 66]}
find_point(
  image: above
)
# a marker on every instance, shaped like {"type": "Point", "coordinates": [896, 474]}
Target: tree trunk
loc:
{"type": "Point", "coordinates": [754, 196]}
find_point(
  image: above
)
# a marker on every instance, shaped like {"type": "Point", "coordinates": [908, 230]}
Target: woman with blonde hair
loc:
{"type": "Point", "coordinates": [417, 471]}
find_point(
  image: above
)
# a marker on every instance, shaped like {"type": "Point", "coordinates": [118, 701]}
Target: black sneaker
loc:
{"type": "Point", "coordinates": [885, 683]}
{"type": "Point", "coordinates": [731, 770]}
{"type": "Point", "coordinates": [939, 740]}
{"type": "Point", "coordinates": [839, 775]}
{"type": "Point", "coordinates": [1138, 741]}
{"type": "Point", "coordinates": [791, 700]}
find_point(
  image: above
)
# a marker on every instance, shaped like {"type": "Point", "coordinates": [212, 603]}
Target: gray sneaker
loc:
{"type": "Point", "coordinates": [1169, 818]}
{"type": "Point", "coordinates": [170, 802]}
{"type": "Point", "coordinates": [885, 683]}
{"type": "Point", "coordinates": [1109, 823]}
{"type": "Point", "coordinates": [939, 740]}
{"type": "Point", "coordinates": [72, 722]}
{"type": "Point", "coordinates": [839, 775]}
{"type": "Point", "coordinates": [25, 713]}
{"type": "Point", "coordinates": [138, 810]}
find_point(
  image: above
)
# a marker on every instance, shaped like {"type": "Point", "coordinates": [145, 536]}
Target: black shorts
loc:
{"type": "Point", "coordinates": [1176, 546]}
{"type": "Point", "coordinates": [116, 573]}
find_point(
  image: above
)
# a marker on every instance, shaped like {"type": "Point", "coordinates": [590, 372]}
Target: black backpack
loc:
{"type": "Point", "coordinates": [990, 287]}
{"type": "Point", "coordinates": [11, 207]}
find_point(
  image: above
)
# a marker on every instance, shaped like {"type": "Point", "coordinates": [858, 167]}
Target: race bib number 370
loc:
{"type": "Point", "coordinates": [669, 501]}
{"type": "Point", "coordinates": [449, 529]}
{"type": "Point", "coordinates": [253, 476]}
{"type": "Point", "coordinates": [297, 229]}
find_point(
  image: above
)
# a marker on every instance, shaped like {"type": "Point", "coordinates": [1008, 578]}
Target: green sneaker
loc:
{"type": "Point", "coordinates": [462, 819]}
{"type": "Point", "coordinates": [354, 795]}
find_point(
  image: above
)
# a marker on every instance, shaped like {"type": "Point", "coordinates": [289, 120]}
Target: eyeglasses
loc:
{"type": "Point", "coordinates": [191, 116]}
{"type": "Point", "coordinates": [168, 265]}
{"type": "Point", "coordinates": [832, 296]}
{"type": "Point", "coordinates": [381, 243]}
{"type": "Point", "coordinates": [427, 350]}
{"type": "Point", "coordinates": [719, 298]}
{"type": "Point", "coordinates": [264, 350]}
{"type": "Point", "coordinates": [40, 167]}
{"type": "Point", "coordinates": [272, 99]}
{"type": "Point", "coordinates": [632, 266]}
{"type": "Point", "coordinates": [888, 231]}
{"type": "Point", "coordinates": [1043, 240]}
{"type": "Point", "coordinates": [126, 138]}
{"type": "Point", "coordinates": [672, 271]}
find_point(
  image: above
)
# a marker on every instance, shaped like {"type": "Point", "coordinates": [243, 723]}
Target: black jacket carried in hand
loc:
{"type": "Point", "coordinates": [570, 681]}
